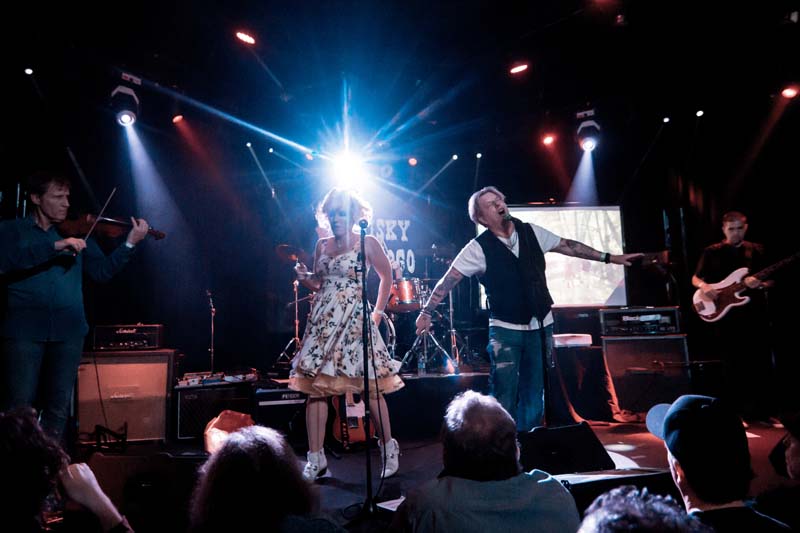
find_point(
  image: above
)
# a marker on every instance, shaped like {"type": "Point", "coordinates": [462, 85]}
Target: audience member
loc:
{"type": "Point", "coordinates": [626, 508]}
{"type": "Point", "coordinates": [482, 487]}
{"type": "Point", "coordinates": [709, 459]}
{"type": "Point", "coordinates": [782, 501]}
{"type": "Point", "coordinates": [253, 482]}
{"type": "Point", "coordinates": [35, 463]}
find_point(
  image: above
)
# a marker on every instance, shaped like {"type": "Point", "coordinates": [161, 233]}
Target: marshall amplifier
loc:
{"type": "Point", "coordinates": [129, 337]}
{"type": "Point", "coordinates": [640, 321]}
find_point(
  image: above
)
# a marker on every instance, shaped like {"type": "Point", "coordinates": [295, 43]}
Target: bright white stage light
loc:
{"type": "Point", "coordinates": [455, 156]}
{"type": "Point", "coordinates": [665, 119]}
{"type": "Point", "coordinates": [125, 104]}
{"type": "Point", "coordinates": [349, 170]}
{"type": "Point", "coordinates": [28, 71]}
{"type": "Point", "coordinates": [699, 113]}
{"type": "Point", "coordinates": [478, 155]}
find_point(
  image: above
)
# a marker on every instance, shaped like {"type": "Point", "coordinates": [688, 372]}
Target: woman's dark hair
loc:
{"type": "Point", "coordinates": [31, 460]}
{"type": "Point", "coordinates": [252, 483]}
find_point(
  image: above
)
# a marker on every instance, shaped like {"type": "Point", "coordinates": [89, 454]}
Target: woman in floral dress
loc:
{"type": "Point", "coordinates": [330, 359]}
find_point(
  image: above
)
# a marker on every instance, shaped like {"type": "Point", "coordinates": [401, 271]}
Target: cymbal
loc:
{"type": "Point", "coordinates": [287, 252]}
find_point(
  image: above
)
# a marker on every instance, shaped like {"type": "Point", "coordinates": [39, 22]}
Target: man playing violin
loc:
{"type": "Point", "coordinates": [44, 325]}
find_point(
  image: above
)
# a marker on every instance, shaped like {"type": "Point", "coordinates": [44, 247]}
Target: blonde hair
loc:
{"type": "Point", "coordinates": [350, 199]}
{"type": "Point", "coordinates": [472, 204]}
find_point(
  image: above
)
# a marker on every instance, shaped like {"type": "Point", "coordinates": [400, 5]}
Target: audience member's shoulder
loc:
{"type": "Point", "coordinates": [309, 524]}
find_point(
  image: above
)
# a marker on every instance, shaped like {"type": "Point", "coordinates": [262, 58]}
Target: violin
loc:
{"type": "Point", "coordinates": [109, 227]}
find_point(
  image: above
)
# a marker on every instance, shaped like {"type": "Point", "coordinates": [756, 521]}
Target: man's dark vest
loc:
{"type": "Point", "coordinates": [516, 286]}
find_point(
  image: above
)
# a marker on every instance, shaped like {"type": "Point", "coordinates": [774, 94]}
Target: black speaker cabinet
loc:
{"type": "Point", "coordinates": [282, 409]}
{"type": "Point", "coordinates": [563, 450]}
{"type": "Point", "coordinates": [128, 386]}
{"type": "Point", "coordinates": [647, 370]}
{"type": "Point", "coordinates": [197, 405]}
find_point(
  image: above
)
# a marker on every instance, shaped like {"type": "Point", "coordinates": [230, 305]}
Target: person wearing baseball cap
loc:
{"type": "Point", "coordinates": [710, 462]}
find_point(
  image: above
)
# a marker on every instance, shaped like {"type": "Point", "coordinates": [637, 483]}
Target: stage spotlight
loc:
{"type": "Point", "coordinates": [28, 71]}
{"type": "Point", "coordinates": [789, 92]}
{"type": "Point", "coordinates": [309, 156]}
{"type": "Point", "coordinates": [588, 130]}
{"type": "Point", "coordinates": [349, 169]}
{"type": "Point", "coordinates": [518, 67]}
{"type": "Point", "coordinates": [588, 135]}
{"type": "Point", "coordinates": [665, 120]}
{"type": "Point", "coordinates": [245, 38]}
{"type": "Point", "coordinates": [478, 155]}
{"type": "Point", "coordinates": [412, 161]}
{"type": "Point", "coordinates": [248, 144]}
{"type": "Point", "coordinates": [548, 140]}
{"type": "Point", "coordinates": [455, 156]}
{"type": "Point", "coordinates": [271, 150]}
{"type": "Point", "coordinates": [177, 118]}
{"type": "Point", "coordinates": [699, 113]}
{"type": "Point", "coordinates": [125, 104]}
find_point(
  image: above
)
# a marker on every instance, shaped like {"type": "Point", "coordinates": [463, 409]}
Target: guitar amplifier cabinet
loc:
{"type": "Point", "coordinates": [647, 369]}
{"type": "Point", "coordinates": [282, 409]}
{"type": "Point", "coordinates": [128, 337]}
{"type": "Point", "coordinates": [198, 404]}
{"type": "Point", "coordinates": [640, 321]}
{"type": "Point", "coordinates": [126, 386]}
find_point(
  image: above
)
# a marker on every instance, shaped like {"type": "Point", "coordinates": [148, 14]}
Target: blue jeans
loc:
{"type": "Point", "coordinates": [42, 375]}
{"type": "Point", "coordinates": [517, 372]}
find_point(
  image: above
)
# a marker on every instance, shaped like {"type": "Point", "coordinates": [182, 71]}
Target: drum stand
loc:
{"type": "Point", "coordinates": [284, 358]}
{"type": "Point", "coordinates": [450, 362]}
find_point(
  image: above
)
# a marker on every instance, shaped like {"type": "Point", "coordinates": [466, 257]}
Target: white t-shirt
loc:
{"type": "Point", "coordinates": [470, 261]}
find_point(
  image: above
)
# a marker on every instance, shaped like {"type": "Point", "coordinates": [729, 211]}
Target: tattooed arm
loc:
{"type": "Point", "coordinates": [442, 288]}
{"type": "Point", "coordinates": [578, 249]}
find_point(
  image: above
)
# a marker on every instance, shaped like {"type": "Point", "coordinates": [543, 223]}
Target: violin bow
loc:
{"type": "Point", "coordinates": [100, 214]}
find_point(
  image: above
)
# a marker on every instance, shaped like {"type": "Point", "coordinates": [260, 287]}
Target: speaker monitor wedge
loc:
{"type": "Point", "coordinates": [563, 450]}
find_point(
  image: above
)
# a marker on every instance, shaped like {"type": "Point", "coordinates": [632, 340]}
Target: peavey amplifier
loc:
{"type": "Point", "coordinates": [640, 321]}
{"type": "Point", "coordinates": [129, 337]}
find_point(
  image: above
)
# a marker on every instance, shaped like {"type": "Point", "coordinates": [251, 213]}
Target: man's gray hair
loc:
{"type": "Point", "coordinates": [472, 204]}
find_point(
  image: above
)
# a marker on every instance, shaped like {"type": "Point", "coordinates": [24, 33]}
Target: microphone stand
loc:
{"type": "Point", "coordinates": [369, 505]}
{"type": "Point", "coordinates": [213, 314]}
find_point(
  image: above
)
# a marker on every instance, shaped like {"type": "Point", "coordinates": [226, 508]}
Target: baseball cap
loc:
{"type": "Point", "coordinates": [707, 438]}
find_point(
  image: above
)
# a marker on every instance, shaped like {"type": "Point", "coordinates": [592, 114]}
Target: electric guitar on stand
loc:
{"type": "Point", "coordinates": [730, 291]}
{"type": "Point", "coordinates": [348, 425]}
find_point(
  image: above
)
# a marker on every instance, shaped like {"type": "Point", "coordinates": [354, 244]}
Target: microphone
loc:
{"type": "Point", "coordinates": [507, 216]}
{"type": "Point", "coordinates": [363, 223]}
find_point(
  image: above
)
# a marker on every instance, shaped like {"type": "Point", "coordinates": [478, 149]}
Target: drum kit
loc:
{"type": "Point", "coordinates": [406, 298]}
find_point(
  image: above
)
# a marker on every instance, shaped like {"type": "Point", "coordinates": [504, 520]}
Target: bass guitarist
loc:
{"type": "Point", "coordinates": [740, 338]}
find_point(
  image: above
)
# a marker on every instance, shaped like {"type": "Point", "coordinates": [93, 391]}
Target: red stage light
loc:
{"type": "Point", "coordinates": [789, 92]}
{"type": "Point", "coordinates": [548, 140]}
{"type": "Point", "coordinates": [177, 118]}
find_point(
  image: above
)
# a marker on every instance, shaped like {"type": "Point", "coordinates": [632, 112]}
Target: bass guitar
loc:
{"type": "Point", "coordinates": [729, 291]}
{"type": "Point", "coordinates": [348, 425]}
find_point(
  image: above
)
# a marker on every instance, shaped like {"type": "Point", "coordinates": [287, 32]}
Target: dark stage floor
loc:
{"type": "Point", "coordinates": [151, 482]}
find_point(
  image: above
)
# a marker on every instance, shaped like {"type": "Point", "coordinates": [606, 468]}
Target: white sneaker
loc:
{"type": "Point", "coordinates": [391, 462]}
{"type": "Point", "coordinates": [316, 467]}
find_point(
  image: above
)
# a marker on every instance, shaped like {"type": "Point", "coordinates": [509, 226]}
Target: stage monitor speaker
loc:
{"type": "Point", "coordinates": [647, 370]}
{"type": "Point", "coordinates": [197, 405]}
{"type": "Point", "coordinates": [127, 386]}
{"type": "Point", "coordinates": [563, 450]}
